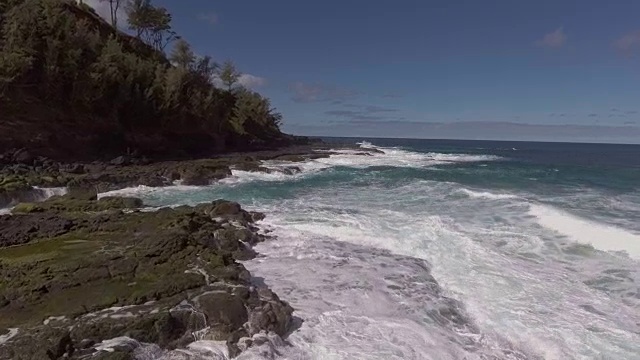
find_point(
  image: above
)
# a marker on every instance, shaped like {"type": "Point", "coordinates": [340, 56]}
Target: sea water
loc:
{"type": "Point", "coordinates": [447, 250]}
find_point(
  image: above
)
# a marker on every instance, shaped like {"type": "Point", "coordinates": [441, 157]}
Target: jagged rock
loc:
{"type": "Point", "coordinates": [120, 202]}
{"type": "Point", "coordinates": [21, 230]}
{"type": "Point", "coordinates": [252, 166]}
{"type": "Point", "coordinates": [225, 208]}
{"type": "Point", "coordinates": [86, 343]}
{"type": "Point", "coordinates": [290, 170]}
{"type": "Point", "coordinates": [292, 158]}
{"type": "Point", "coordinates": [120, 161]}
{"type": "Point", "coordinates": [75, 169]}
{"type": "Point", "coordinates": [225, 313]}
{"type": "Point", "coordinates": [39, 343]}
{"type": "Point", "coordinates": [196, 179]}
{"type": "Point", "coordinates": [64, 348]}
{"type": "Point", "coordinates": [154, 181]}
{"type": "Point", "coordinates": [74, 262]}
{"type": "Point", "coordinates": [23, 156]}
{"type": "Point", "coordinates": [271, 315]}
{"type": "Point", "coordinates": [78, 255]}
{"type": "Point", "coordinates": [118, 354]}
{"type": "Point", "coordinates": [82, 194]}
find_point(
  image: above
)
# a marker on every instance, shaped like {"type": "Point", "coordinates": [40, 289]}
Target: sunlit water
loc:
{"type": "Point", "coordinates": [448, 251]}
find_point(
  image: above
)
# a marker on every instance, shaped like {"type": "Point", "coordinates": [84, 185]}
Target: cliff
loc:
{"type": "Point", "coordinates": [74, 88]}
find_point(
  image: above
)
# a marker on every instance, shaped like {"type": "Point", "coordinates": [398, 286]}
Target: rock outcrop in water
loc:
{"type": "Point", "coordinates": [19, 179]}
{"type": "Point", "coordinates": [79, 271]}
{"type": "Point", "coordinates": [102, 278]}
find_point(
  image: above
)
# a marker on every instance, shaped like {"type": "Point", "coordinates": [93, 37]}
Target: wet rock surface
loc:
{"type": "Point", "coordinates": [21, 174]}
{"type": "Point", "coordinates": [78, 272]}
{"type": "Point", "coordinates": [89, 278]}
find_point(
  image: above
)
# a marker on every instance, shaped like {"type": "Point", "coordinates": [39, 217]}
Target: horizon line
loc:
{"type": "Point", "coordinates": [453, 139]}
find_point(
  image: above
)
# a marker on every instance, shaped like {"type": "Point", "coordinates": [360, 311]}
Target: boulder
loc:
{"type": "Point", "coordinates": [252, 166]}
{"type": "Point", "coordinates": [196, 178]}
{"type": "Point", "coordinates": [225, 312]}
{"type": "Point", "coordinates": [201, 175]}
{"type": "Point", "coordinates": [225, 208]}
{"type": "Point", "coordinates": [290, 170]}
{"type": "Point", "coordinates": [120, 161]}
{"type": "Point", "coordinates": [271, 315]}
{"type": "Point", "coordinates": [113, 202]}
{"type": "Point", "coordinates": [74, 169]}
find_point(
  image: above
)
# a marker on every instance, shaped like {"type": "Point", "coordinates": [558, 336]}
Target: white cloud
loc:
{"type": "Point", "coordinates": [554, 40]}
{"type": "Point", "coordinates": [246, 80]}
{"type": "Point", "coordinates": [251, 81]}
{"type": "Point", "coordinates": [628, 43]}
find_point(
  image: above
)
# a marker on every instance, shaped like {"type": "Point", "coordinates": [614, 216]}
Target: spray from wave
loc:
{"type": "Point", "coordinates": [424, 269]}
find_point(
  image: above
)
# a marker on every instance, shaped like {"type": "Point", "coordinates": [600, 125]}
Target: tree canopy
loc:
{"type": "Point", "coordinates": [58, 55]}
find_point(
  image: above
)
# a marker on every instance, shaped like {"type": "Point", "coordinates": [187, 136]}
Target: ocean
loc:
{"type": "Point", "coordinates": [438, 249]}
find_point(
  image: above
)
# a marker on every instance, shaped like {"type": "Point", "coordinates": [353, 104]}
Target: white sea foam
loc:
{"type": "Point", "coordinates": [487, 195]}
{"type": "Point", "coordinates": [399, 158]}
{"type": "Point", "coordinates": [39, 194]}
{"type": "Point", "coordinates": [351, 158]}
{"type": "Point", "coordinates": [364, 303]}
{"type": "Point", "coordinates": [109, 345]}
{"type": "Point", "coordinates": [469, 245]}
{"type": "Point", "coordinates": [8, 336]}
{"type": "Point", "coordinates": [600, 236]}
{"type": "Point", "coordinates": [352, 261]}
{"type": "Point", "coordinates": [145, 190]}
{"type": "Point", "coordinates": [50, 192]}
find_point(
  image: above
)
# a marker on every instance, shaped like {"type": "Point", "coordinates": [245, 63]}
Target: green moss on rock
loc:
{"type": "Point", "coordinates": [26, 208]}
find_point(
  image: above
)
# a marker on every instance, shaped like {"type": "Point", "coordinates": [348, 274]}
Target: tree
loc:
{"type": "Point", "coordinates": [137, 14]}
{"type": "Point", "coordinates": [54, 57]}
{"type": "Point", "coordinates": [151, 24]}
{"type": "Point", "coordinates": [229, 75]}
{"type": "Point", "coordinates": [182, 56]}
{"type": "Point", "coordinates": [114, 7]}
{"type": "Point", "coordinates": [253, 113]}
{"type": "Point", "coordinates": [206, 68]}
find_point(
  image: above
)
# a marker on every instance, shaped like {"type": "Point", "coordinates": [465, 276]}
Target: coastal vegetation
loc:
{"type": "Point", "coordinates": [76, 86]}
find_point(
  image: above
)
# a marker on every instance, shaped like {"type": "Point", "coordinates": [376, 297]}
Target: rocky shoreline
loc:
{"type": "Point", "coordinates": [79, 271]}
{"type": "Point", "coordinates": [23, 176]}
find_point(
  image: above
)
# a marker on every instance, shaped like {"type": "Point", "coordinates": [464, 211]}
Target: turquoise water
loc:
{"type": "Point", "coordinates": [449, 250]}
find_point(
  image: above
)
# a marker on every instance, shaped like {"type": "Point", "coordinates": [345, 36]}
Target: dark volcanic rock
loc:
{"type": "Point", "coordinates": [23, 156]}
{"type": "Point", "coordinates": [74, 169]}
{"type": "Point", "coordinates": [120, 161]}
{"type": "Point", "coordinates": [203, 175]}
{"type": "Point", "coordinates": [155, 277]}
{"type": "Point", "coordinates": [82, 194]}
{"type": "Point", "coordinates": [82, 201]}
{"type": "Point", "coordinates": [16, 231]}
{"type": "Point", "coordinates": [224, 311]}
{"type": "Point", "coordinates": [290, 170]}
{"type": "Point", "coordinates": [252, 166]}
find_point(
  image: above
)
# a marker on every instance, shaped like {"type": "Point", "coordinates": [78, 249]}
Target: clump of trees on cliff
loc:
{"type": "Point", "coordinates": [145, 80]}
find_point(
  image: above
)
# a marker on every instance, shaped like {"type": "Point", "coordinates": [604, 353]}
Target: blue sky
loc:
{"type": "Point", "coordinates": [409, 68]}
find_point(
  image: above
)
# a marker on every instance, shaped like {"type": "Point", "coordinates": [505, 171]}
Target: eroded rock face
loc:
{"type": "Point", "coordinates": [167, 277]}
